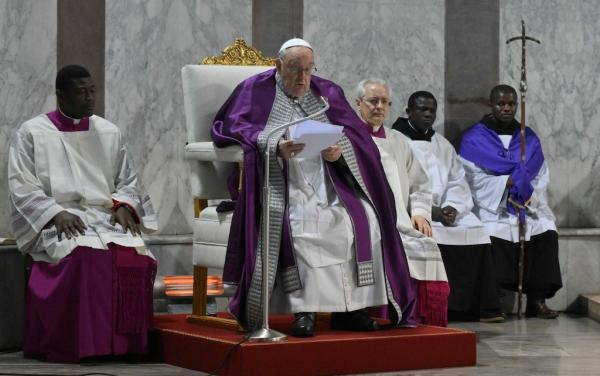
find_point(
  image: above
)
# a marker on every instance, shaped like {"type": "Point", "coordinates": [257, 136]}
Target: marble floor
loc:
{"type": "Point", "coordinates": [568, 346]}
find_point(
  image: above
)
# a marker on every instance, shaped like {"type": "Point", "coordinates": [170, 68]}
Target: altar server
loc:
{"type": "Point", "coordinates": [504, 188]}
{"type": "Point", "coordinates": [462, 238]}
{"type": "Point", "coordinates": [77, 209]}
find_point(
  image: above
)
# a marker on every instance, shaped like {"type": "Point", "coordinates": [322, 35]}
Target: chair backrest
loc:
{"type": "Point", "coordinates": [205, 89]}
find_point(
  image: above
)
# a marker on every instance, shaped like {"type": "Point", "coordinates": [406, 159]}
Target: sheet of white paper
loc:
{"type": "Point", "coordinates": [315, 136]}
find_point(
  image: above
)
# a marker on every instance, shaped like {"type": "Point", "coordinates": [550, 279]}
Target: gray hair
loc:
{"type": "Point", "coordinates": [281, 54]}
{"type": "Point", "coordinates": [360, 87]}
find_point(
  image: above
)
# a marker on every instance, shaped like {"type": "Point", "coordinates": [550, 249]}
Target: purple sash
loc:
{"type": "Point", "coordinates": [483, 147]}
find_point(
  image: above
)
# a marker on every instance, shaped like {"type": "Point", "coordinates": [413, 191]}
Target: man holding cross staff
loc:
{"type": "Point", "coordinates": [508, 176]}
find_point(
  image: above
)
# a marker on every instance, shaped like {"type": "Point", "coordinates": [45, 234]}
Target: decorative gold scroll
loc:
{"type": "Point", "coordinates": [239, 53]}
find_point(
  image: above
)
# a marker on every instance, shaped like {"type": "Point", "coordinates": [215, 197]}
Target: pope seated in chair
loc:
{"type": "Point", "coordinates": [333, 246]}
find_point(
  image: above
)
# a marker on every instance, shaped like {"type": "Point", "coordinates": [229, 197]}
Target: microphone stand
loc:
{"type": "Point", "coordinates": [265, 334]}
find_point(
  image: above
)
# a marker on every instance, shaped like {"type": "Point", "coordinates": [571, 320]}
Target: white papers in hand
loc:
{"type": "Point", "coordinates": [315, 136]}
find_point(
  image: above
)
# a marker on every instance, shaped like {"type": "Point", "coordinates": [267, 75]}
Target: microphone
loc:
{"type": "Point", "coordinates": [265, 333]}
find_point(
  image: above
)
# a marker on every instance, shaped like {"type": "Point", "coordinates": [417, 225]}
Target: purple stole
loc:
{"type": "Point", "coordinates": [482, 146]}
{"type": "Point", "coordinates": [239, 121]}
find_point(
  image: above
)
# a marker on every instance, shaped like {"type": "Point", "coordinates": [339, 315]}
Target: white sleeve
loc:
{"type": "Point", "coordinates": [540, 187]}
{"type": "Point", "coordinates": [420, 195]}
{"type": "Point", "coordinates": [457, 193]}
{"type": "Point", "coordinates": [31, 207]}
{"type": "Point", "coordinates": [128, 190]}
{"type": "Point", "coordinates": [487, 190]}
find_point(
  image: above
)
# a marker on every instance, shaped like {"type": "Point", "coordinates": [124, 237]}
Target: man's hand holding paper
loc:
{"type": "Point", "coordinates": [288, 148]}
{"type": "Point", "coordinates": [318, 138]}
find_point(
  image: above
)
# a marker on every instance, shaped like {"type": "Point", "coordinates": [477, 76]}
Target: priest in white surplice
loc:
{"type": "Point", "coordinates": [503, 189]}
{"type": "Point", "coordinates": [412, 196]}
{"type": "Point", "coordinates": [330, 245]}
{"type": "Point", "coordinates": [77, 210]}
{"type": "Point", "coordinates": [462, 238]}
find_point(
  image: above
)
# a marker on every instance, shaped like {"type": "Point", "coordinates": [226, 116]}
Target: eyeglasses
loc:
{"type": "Point", "coordinates": [298, 70]}
{"type": "Point", "coordinates": [373, 102]}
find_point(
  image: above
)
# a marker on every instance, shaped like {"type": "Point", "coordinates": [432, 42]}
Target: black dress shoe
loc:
{"type": "Point", "coordinates": [491, 316]}
{"type": "Point", "coordinates": [540, 310]}
{"type": "Point", "coordinates": [304, 324]}
{"type": "Point", "coordinates": [355, 320]}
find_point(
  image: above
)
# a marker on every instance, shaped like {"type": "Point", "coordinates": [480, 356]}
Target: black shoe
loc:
{"type": "Point", "coordinates": [540, 310]}
{"type": "Point", "coordinates": [304, 324]}
{"type": "Point", "coordinates": [356, 320]}
{"type": "Point", "coordinates": [491, 317]}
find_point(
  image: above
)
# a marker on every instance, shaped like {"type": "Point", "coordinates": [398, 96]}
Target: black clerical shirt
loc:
{"type": "Point", "coordinates": [402, 125]}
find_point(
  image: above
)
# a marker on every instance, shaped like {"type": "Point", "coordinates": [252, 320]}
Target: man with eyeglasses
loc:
{"type": "Point", "coordinates": [412, 198]}
{"type": "Point", "coordinates": [327, 248]}
{"type": "Point", "coordinates": [462, 238]}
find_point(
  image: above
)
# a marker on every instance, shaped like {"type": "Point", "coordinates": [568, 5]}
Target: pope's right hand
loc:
{"type": "Point", "coordinates": [288, 149]}
{"type": "Point", "coordinates": [67, 223]}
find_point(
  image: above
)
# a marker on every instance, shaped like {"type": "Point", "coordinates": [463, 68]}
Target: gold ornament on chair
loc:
{"type": "Point", "coordinates": [239, 53]}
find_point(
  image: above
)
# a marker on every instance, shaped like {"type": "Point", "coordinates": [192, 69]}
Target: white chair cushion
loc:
{"type": "Point", "coordinates": [211, 233]}
{"type": "Point", "coordinates": [207, 151]}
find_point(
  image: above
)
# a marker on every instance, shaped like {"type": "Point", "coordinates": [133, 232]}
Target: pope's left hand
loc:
{"type": "Point", "coordinates": [420, 223]}
{"type": "Point", "coordinates": [124, 217]}
{"type": "Point", "coordinates": [332, 153]}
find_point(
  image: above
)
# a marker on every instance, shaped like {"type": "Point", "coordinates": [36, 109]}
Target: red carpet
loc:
{"type": "Point", "coordinates": [327, 353]}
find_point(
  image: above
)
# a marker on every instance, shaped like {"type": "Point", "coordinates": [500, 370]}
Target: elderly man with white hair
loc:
{"type": "Point", "coordinates": [332, 243]}
{"type": "Point", "coordinates": [412, 198]}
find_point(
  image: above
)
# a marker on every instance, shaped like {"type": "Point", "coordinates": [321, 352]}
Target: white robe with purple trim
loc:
{"type": "Point", "coordinates": [82, 172]}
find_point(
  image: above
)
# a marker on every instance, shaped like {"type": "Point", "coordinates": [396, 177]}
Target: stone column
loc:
{"type": "Point", "coordinates": [471, 70]}
{"type": "Point", "coordinates": [274, 22]}
{"type": "Point", "coordinates": [81, 35]}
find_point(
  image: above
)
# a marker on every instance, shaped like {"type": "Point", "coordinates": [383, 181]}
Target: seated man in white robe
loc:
{"type": "Point", "coordinates": [462, 238]}
{"type": "Point", "coordinates": [506, 190]}
{"type": "Point", "coordinates": [77, 210]}
{"type": "Point", "coordinates": [412, 196]}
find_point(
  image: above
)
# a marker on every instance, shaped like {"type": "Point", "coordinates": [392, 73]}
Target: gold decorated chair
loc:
{"type": "Point", "coordinates": [205, 88]}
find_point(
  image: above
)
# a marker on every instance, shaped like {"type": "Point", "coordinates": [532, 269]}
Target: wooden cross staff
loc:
{"type": "Point", "coordinates": [522, 89]}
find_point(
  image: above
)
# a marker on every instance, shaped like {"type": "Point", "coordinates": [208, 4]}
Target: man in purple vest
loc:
{"type": "Point", "coordinates": [333, 245]}
{"type": "Point", "coordinates": [504, 190]}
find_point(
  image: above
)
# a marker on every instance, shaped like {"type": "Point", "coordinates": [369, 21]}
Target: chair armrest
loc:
{"type": "Point", "coordinates": [207, 151]}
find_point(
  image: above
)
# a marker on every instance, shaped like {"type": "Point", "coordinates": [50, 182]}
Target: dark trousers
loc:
{"type": "Point", "coordinates": [541, 279]}
{"type": "Point", "coordinates": [473, 286]}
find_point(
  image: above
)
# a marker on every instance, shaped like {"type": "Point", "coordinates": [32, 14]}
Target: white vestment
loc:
{"type": "Point", "coordinates": [412, 194]}
{"type": "Point", "coordinates": [490, 194]}
{"type": "Point", "coordinates": [449, 188]}
{"type": "Point", "coordinates": [323, 241]}
{"type": "Point", "coordinates": [81, 172]}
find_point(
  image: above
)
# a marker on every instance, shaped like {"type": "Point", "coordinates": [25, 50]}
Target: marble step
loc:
{"type": "Point", "coordinates": [591, 304]}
